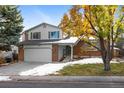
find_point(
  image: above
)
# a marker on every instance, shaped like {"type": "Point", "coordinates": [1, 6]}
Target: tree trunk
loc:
{"type": "Point", "coordinates": [106, 53]}
{"type": "Point", "coordinates": [107, 66]}
{"type": "Point", "coordinates": [106, 60]}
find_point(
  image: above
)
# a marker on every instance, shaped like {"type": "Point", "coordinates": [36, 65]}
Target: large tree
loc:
{"type": "Point", "coordinates": [104, 23]}
{"type": "Point", "coordinates": [10, 24]}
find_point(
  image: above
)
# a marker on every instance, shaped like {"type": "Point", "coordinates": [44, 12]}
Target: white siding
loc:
{"type": "Point", "coordinates": [45, 31]}
{"type": "Point", "coordinates": [61, 48]}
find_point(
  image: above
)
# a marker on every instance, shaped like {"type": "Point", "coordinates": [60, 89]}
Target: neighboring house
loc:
{"type": "Point", "coordinates": [45, 43]}
{"type": "Point", "coordinates": [122, 42]}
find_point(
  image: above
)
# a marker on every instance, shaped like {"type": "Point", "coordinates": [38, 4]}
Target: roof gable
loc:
{"type": "Point", "coordinates": [41, 25]}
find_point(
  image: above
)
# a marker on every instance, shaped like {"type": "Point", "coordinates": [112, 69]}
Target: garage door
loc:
{"type": "Point", "coordinates": [38, 55]}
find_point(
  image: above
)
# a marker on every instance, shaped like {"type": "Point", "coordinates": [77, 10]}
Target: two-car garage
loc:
{"type": "Point", "coordinates": [38, 53]}
{"type": "Point", "coordinates": [43, 53]}
{"type": "Point", "coordinates": [44, 50]}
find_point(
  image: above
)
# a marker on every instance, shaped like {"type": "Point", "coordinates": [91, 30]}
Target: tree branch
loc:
{"type": "Point", "coordinates": [92, 45]}
{"type": "Point", "coordinates": [112, 40]}
{"type": "Point", "coordinates": [90, 23]}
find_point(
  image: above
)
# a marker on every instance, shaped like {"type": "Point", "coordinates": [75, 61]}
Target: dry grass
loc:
{"type": "Point", "coordinates": [92, 70]}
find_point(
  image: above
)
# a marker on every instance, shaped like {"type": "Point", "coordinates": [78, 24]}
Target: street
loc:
{"type": "Point", "coordinates": [49, 84]}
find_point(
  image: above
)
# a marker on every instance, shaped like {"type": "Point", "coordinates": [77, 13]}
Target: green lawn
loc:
{"type": "Point", "coordinates": [92, 70]}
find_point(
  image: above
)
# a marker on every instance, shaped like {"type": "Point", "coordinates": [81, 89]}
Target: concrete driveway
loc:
{"type": "Point", "coordinates": [16, 68]}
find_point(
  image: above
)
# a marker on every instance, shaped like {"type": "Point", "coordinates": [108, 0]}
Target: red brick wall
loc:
{"type": "Point", "coordinates": [55, 52]}
{"type": "Point", "coordinates": [78, 52]}
{"type": "Point", "coordinates": [21, 54]}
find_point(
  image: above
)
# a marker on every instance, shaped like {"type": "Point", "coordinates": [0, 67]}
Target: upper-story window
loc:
{"type": "Point", "coordinates": [36, 35]}
{"type": "Point", "coordinates": [54, 35]}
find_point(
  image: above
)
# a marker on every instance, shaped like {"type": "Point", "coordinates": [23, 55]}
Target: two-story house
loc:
{"type": "Point", "coordinates": [46, 43]}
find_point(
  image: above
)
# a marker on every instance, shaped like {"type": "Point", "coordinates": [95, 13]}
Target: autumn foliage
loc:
{"type": "Point", "coordinates": [103, 23]}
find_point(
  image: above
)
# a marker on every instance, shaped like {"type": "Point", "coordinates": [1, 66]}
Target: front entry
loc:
{"type": "Point", "coordinates": [67, 53]}
{"type": "Point", "coordinates": [68, 50]}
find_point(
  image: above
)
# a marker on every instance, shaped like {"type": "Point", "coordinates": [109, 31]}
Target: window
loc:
{"type": "Point", "coordinates": [54, 35]}
{"type": "Point", "coordinates": [36, 35]}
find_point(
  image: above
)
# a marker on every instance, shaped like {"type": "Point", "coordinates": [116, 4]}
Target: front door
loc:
{"type": "Point", "coordinates": [67, 51]}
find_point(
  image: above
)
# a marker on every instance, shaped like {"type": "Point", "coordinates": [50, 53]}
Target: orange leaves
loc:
{"type": "Point", "coordinates": [75, 23]}
{"type": "Point", "coordinates": [93, 20]}
{"type": "Point", "coordinates": [64, 23]}
{"type": "Point", "coordinates": [72, 22]}
{"type": "Point", "coordinates": [86, 7]}
{"type": "Point", "coordinates": [64, 20]}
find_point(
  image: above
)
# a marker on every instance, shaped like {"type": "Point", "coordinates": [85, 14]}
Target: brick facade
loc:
{"type": "Point", "coordinates": [55, 52]}
{"type": "Point", "coordinates": [78, 52]}
{"type": "Point", "coordinates": [21, 54]}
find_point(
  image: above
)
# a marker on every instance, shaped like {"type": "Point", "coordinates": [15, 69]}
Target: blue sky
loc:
{"type": "Point", "coordinates": [36, 14]}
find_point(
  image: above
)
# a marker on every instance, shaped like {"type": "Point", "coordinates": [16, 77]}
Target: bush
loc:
{"type": "Point", "coordinates": [2, 60]}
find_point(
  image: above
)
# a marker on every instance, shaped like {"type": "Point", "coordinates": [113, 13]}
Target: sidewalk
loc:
{"type": "Point", "coordinates": [69, 78]}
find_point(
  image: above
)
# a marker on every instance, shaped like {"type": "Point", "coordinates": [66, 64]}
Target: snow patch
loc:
{"type": "Point", "coordinates": [68, 40]}
{"type": "Point", "coordinates": [51, 68]}
{"type": "Point", "coordinates": [5, 78]}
